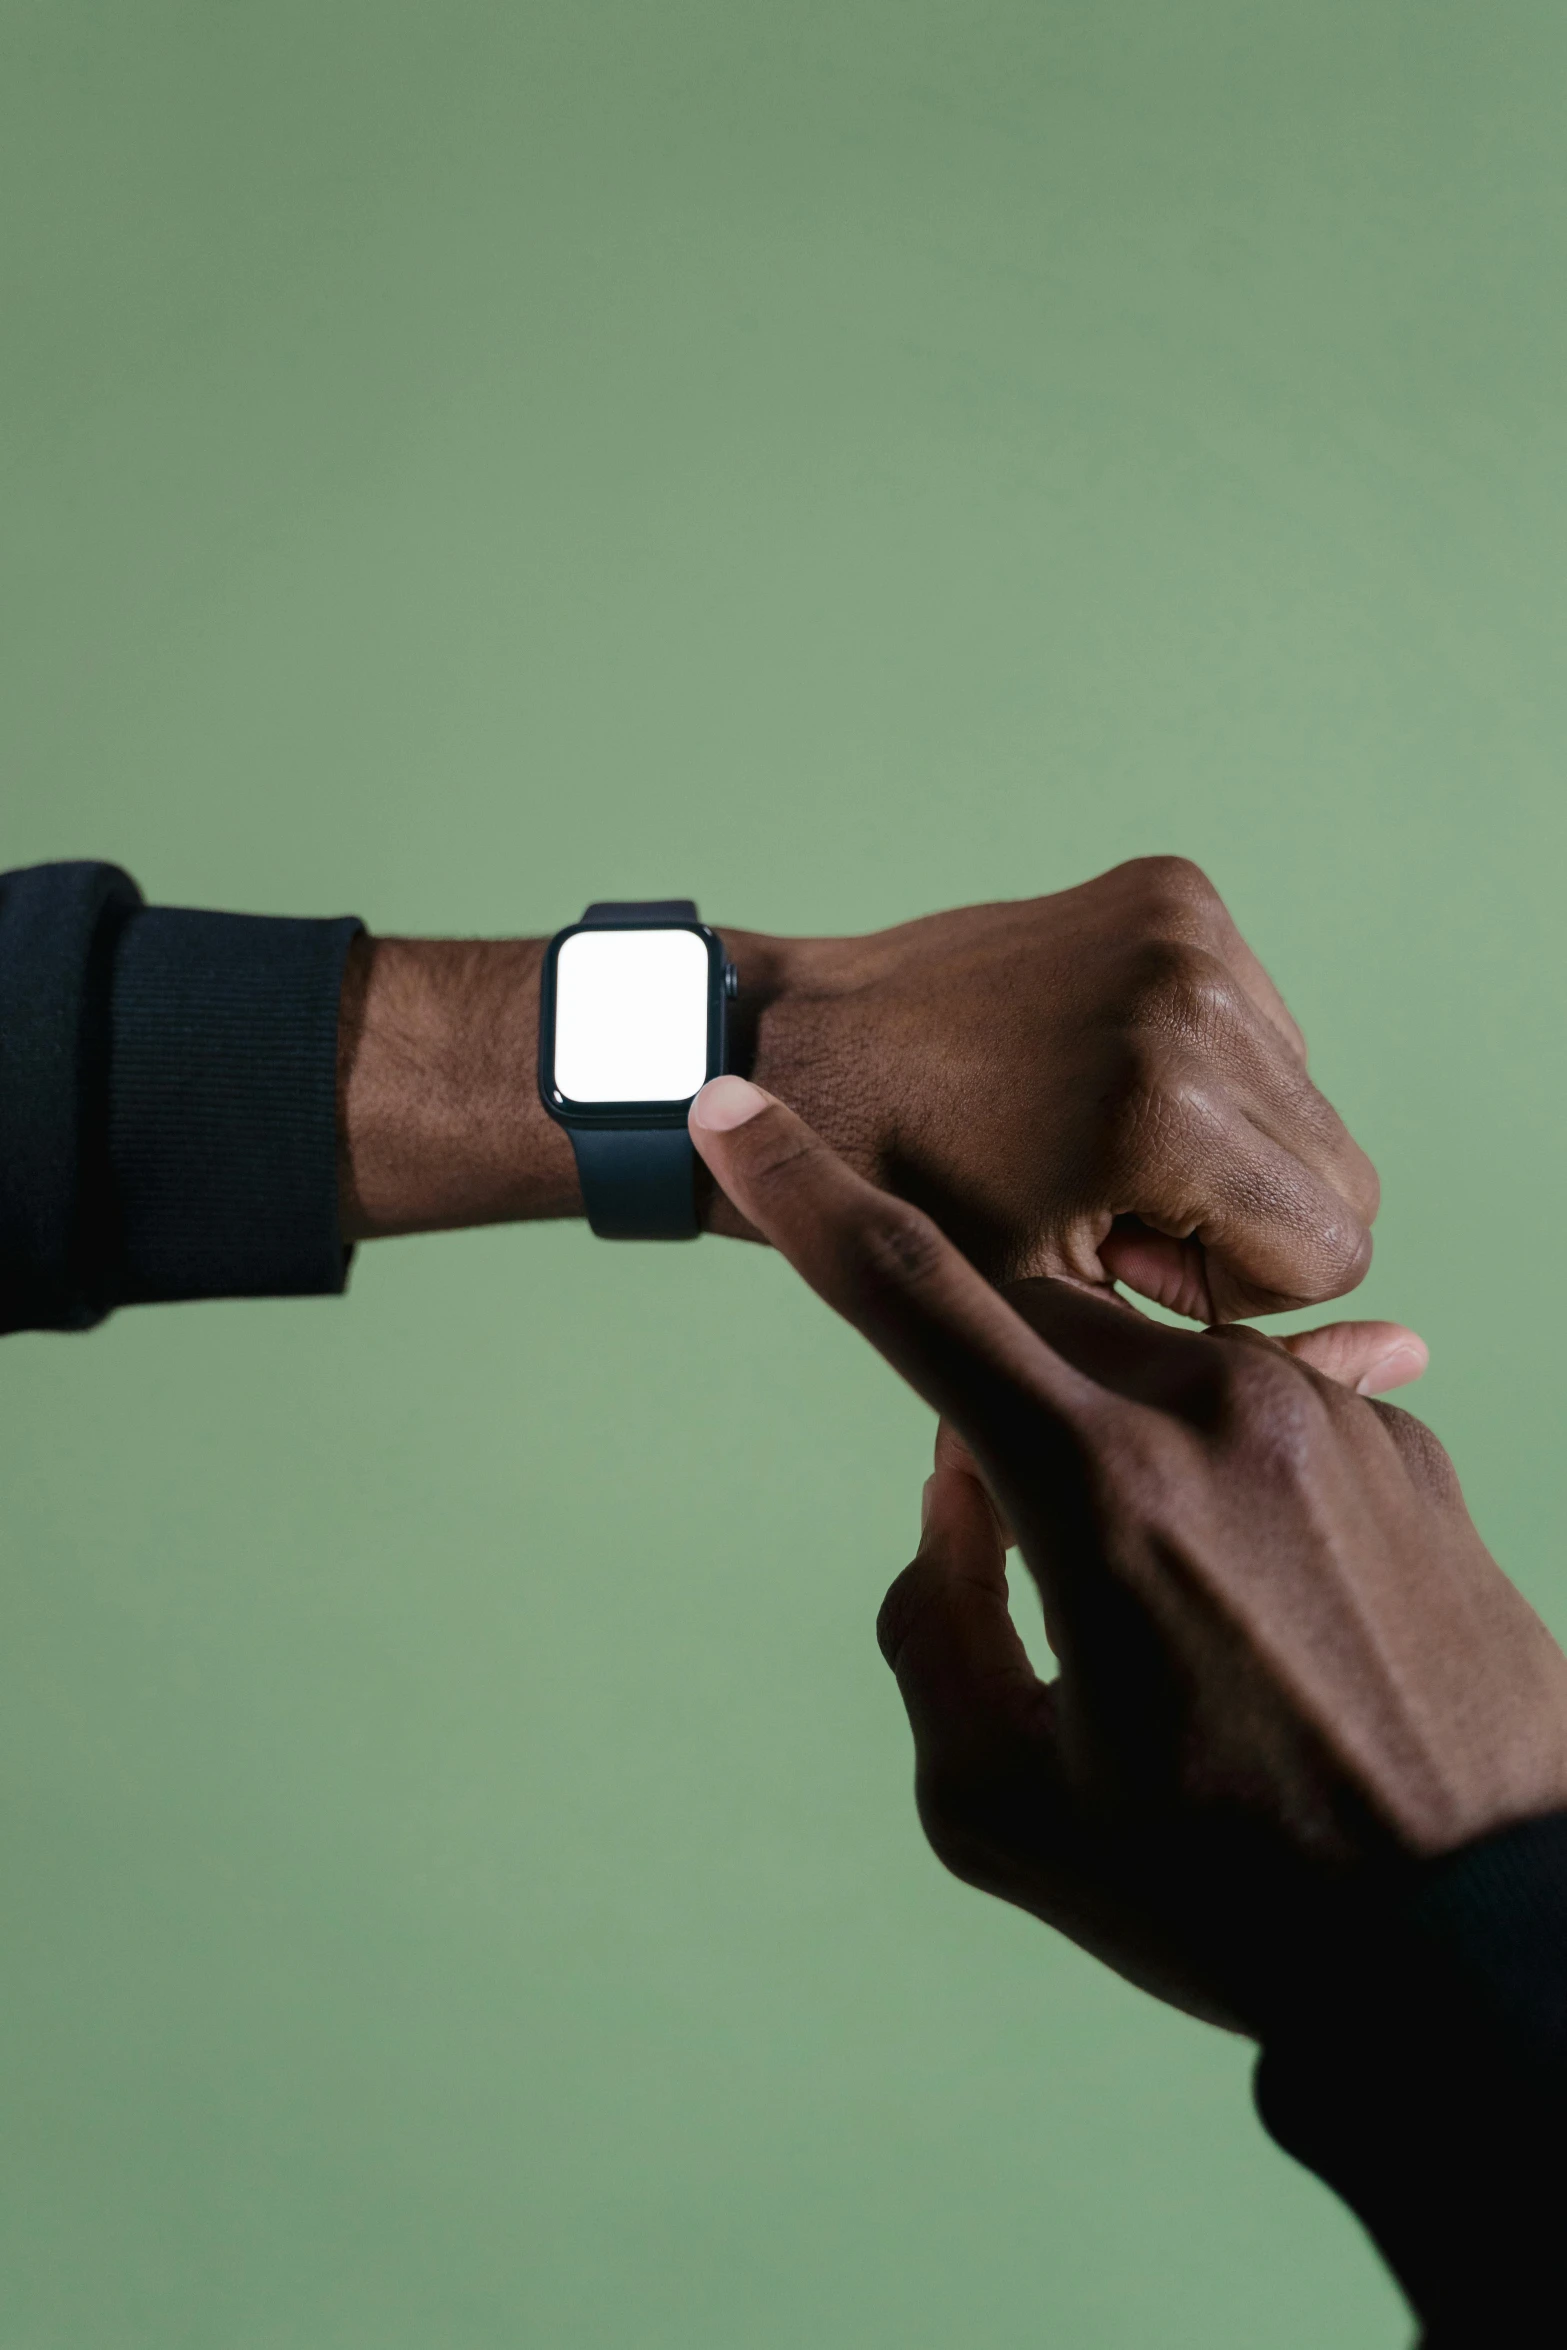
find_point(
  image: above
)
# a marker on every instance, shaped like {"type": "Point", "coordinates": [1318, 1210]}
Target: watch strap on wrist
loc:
{"type": "Point", "coordinates": [637, 1185]}
{"type": "Point", "coordinates": [637, 913]}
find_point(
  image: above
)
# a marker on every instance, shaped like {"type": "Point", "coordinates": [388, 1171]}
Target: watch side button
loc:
{"type": "Point", "coordinates": [731, 981]}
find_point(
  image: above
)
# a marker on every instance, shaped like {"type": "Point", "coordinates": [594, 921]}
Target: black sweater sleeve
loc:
{"type": "Point", "coordinates": [167, 1100]}
{"type": "Point", "coordinates": [1424, 2077]}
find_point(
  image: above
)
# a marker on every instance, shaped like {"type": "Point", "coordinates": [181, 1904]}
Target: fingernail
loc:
{"type": "Point", "coordinates": [726, 1102]}
{"type": "Point", "coordinates": [1396, 1369]}
{"type": "Point", "coordinates": [926, 1490]}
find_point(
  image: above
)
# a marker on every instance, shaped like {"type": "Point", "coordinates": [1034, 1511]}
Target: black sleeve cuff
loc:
{"type": "Point", "coordinates": [1424, 2077]}
{"type": "Point", "coordinates": [58, 927]}
{"type": "Point", "coordinates": [168, 1100]}
{"type": "Point", "coordinates": [222, 1115]}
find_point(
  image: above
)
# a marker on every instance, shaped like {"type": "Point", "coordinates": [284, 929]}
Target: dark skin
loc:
{"type": "Point", "coordinates": [1103, 1084]}
{"type": "Point", "coordinates": [1288, 1664]}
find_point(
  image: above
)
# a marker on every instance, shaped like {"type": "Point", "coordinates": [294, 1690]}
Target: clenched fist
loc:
{"type": "Point", "coordinates": [1104, 1084]}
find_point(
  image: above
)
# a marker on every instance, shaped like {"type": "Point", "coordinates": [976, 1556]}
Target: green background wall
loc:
{"type": "Point", "coordinates": [459, 1881]}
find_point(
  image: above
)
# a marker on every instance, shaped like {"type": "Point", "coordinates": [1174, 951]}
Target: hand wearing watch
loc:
{"type": "Point", "coordinates": [1102, 1083]}
{"type": "Point", "coordinates": [631, 1027]}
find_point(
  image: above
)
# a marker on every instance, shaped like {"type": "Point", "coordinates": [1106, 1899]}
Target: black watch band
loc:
{"type": "Point", "coordinates": [638, 1183]}
{"type": "Point", "coordinates": [637, 913]}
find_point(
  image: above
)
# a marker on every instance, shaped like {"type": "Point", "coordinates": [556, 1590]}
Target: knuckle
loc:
{"type": "Point", "coordinates": [1174, 886]}
{"type": "Point", "coordinates": [897, 1247]}
{"type": "Point", "coordinates": [1308, 1122]}
{"type": "Point", "coordinates": [1424, 1455]}
{"type": "Point", "coordinates": [1132, 1111]}
{"type": "Point", "coordinates": [1178, 993]}
{"type": "Point", "coordinates": [778, 1161]}
{"type": "Point", "coordinates": [1317, 1245]}
{"type": "Point", "coordinates": [1343, 1255]}
{"type": "Point", "coordinates": [1271, 1411]}
{"type": "Point", "coordinates": [1152, 1106]}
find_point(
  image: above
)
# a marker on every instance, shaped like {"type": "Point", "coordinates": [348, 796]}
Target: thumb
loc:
{"type": "Point", "coordinates": [943, 1489]}
{"type": "Point", "coordinates": [944, 1628]}
{"type": "Point", "coordinates": [1370, 1357]}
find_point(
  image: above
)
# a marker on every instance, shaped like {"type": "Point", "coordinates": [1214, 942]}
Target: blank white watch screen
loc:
{"type": "Point", "coordinates": [631, 1016]}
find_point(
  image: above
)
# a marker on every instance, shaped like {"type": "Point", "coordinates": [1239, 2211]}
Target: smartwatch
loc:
{"type": "Point", "coordinates": [631, 1027]}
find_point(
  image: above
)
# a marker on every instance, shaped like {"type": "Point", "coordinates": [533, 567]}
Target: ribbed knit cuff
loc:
{"type": "Point", "coordinates": [222, 1111]}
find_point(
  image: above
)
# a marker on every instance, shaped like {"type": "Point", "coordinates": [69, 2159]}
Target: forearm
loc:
{"type": "Point", "coordinates": [439, 1118]}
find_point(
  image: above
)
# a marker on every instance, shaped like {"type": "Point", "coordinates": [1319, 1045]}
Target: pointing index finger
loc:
{"type": "Point", "coordinates": [887, 1269]}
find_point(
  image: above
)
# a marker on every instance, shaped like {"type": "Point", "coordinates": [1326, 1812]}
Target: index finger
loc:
{"type": "Point", "coordinates": [887, 1268]}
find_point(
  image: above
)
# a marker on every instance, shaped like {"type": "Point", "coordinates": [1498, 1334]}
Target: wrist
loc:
{"type": "Point", "coordinates": [784, 1002]}
{"type": "Point", "coordinates": [439, 1120]}
{"type": "Point", "coordinates": [785, 1033]}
